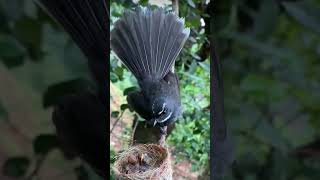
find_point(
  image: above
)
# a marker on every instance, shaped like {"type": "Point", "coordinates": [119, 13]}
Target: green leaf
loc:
{"type": "Point", "coordinates": [305, 13]}
{"type": "Point", "coordinates": [115, 114]}
{"type": "Point", "coordinates": [29, 32]}
{"type": "Point", "coordinates": [10, 47]}
{"type": "Point", "coordinates": [11, 51]}
{"type": "Point", "coordinates": [119, 72]}
{"type": "Point", "coordinates": [113, 77]}
{"type": "Point", "coordinates": [16, 166]}
{"type": "Point", "coordinates": [129, 90]}
{"type": "Point", "coordinates": [116, 14]}
{"type": "Point", "coordinates": [143, 2]}
{"type": "Point", "coordinates": [57, 91]}
{"type": "Point", "coordinates": [193, 22]}
{"type": "Point", "coordinates": [270, 135]}
{"type": "Point", "coordinates": [124, 107]}
{"type": "Point", "coordinates": [44, 143]}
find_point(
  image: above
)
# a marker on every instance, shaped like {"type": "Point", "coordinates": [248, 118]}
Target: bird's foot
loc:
{"type": "Point", "coordinates": [163, 134]}
{"type": "Point", "coordinates": [163, 130]}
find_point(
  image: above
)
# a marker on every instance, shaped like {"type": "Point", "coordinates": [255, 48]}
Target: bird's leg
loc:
{"type": "Point", "coordinates": [163, 134]}
{"type": "Point", "coordinates": [163, 130]}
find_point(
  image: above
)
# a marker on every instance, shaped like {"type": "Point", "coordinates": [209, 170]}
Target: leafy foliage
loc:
{"type": "Point", "coordinates": [16, 166]}
{"type": "Point", "coordinates": [269, 51]}
{"type": "Point", "coordinates": [38, 65]}
{"type": "Point", "coordinates": [44, 143]}
{"type": "Point", "coordinates": [56, 91]}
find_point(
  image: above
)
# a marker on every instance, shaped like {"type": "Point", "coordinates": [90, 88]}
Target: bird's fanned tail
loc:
{"type": "Point", "coordinates": [148, 41]}
{"type": "Point", "coordinates": [87, 22]}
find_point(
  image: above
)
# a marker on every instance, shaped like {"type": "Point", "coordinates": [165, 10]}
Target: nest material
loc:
{"type": "Point", "coordinates": [142, 162]}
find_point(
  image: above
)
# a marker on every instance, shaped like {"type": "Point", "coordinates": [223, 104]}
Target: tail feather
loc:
{"type": "Point", "coordinates": [148, 41]}
{"type": "Point", "coordinates": [125, 47]}
{"type": "Point", "coordinates": [86, 21]}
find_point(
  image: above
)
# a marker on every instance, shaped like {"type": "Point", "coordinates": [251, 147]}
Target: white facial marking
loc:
{"type": "Point", "coordinates": [154, 123]}
{"type": "Point", "coordinates": [163, 106]}
{"type": "Point", "coordinates": [165, 119]}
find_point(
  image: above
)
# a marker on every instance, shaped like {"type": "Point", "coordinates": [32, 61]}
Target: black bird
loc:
{"type": "Point", "coordinates": [80, 119]}
{"type": "Point", "coordinates": [148, 42]}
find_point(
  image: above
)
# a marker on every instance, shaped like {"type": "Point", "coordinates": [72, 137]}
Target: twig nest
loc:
{"type": "Point", "coordinates": [145, 161]}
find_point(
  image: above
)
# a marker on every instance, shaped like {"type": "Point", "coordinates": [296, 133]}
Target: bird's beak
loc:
{"type": "Point", "coordinates": [155, 122]}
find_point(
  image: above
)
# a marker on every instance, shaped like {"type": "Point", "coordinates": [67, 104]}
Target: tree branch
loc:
{"type": "Point", "coordinates": [175, 7]}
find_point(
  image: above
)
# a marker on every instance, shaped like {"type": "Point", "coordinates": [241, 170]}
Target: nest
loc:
{"type": "Point", "coordinates": [145, 161]}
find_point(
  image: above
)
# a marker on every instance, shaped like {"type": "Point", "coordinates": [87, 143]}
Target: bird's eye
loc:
{"type": "Point", "coordinates": [163, 112]}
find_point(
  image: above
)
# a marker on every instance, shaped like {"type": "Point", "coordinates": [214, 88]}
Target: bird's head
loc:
{"type": "Point", "coordinates": [163, 112]}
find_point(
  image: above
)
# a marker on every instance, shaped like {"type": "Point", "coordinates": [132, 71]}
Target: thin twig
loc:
{"type": "Point", "coordinates": [116, 122]}
{"type": "Point", "coordinates": [40, 160]}
{"type": "Point", "coordinates": [134, 131]}
{"type": "Point", "coordinates": [163, 134]}
{"type": "Point", "coordinates": [175, 6]}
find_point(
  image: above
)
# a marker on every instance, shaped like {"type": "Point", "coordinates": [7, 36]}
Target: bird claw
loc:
{"type": "Point", "coordinates": [163, 130]}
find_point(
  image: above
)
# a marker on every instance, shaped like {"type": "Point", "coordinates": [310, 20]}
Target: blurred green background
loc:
{"type": "Point", "coordinates": [270, 53]}
{"type": "Point", "coordinates": [35, 55]}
